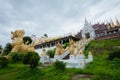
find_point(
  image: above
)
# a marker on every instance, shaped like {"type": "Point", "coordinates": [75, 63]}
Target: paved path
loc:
{"type": "Point", "coordinates": [86, 76]}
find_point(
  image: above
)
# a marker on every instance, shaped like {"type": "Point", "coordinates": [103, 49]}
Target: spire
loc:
{"type": "Point", "coordinates": [117, 22]}
{"type": "Point", "coordinates": [112, 24]}
{"type": "Point", "coordinates": [86, 22]}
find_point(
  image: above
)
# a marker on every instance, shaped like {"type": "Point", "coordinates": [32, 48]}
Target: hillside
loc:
{"type": "Point", "coordinates": [101, 68]}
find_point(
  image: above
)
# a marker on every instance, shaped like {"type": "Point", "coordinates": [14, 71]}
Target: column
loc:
{"type": "Point", "coordinates": [61, 42]}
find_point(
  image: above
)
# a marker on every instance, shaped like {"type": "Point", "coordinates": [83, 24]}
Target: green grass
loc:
{"type": "Point", "coordinates": [102, 46]}
{"type": "Point", "coordinates": [101, 68]}
{"type": "Point", "coordinates": [21, 72]}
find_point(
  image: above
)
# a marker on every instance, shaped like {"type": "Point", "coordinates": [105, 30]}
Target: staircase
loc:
{"type": "Point", "coordinates": [67, 52]}
{"type": "Point", "coordinates": [86, 43]}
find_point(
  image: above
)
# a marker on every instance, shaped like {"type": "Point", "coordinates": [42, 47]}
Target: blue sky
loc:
{"type": "Point", "coordinates": [53, 17]}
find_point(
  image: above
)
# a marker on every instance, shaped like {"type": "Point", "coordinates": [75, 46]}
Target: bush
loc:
{"type": "Point", "coordinates": [115, 64]}
{"type": "Point", "coordinates": [31, 58]}
{"type": "Point", "coordinates": [7, 49]}
{"type": "Point", "coordinates": [17, 57]}
{"type": "Point", "coordinates": [114, 54]}
{"type": "Point", "coordinates": [51, 53]}
{"type": "Point", "coordinates": [66, 45]}
{"type": "Point", "coordinates": [3, 62]}
{"type": "Point", "coordinates": [59, 65]}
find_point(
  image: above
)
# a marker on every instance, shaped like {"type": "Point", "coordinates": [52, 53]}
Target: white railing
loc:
{"type": "Point", "coordinates": [64, 54]}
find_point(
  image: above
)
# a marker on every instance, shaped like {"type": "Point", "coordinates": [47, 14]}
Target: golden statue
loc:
{"type": "Point", "coordinates": [80, 52]}
{"type": "Point", "coordinates": [117, 22]}
{"type": "Point", "coordinates": [17, 42]}
{"type": "Point", "coordinates": [58, 49]}
{"type": "Point", "coordinates": [71, 48]}
{"type": "Point", "coordinates": [108, 25]}
{"type": "Point", "coordinates": [112, 24]}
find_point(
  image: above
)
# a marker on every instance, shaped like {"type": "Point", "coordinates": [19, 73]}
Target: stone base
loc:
{"type": "Point", "coordinates": [72, 57]}
{"type": "Point", "coordinates": [44, 59]}
{"type": "Point", "coordinates": [73, 64]}
{"type": "Point", "coordinates": [56, 57]}
{"type": "Point", "coordinates": [89, 60]}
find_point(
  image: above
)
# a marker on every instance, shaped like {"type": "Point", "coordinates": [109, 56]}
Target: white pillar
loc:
{"type": "Point", "coordinates": [62, 42]}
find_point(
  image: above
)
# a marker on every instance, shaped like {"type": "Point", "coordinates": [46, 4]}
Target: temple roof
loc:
{"type": "Point", "coordinates": [57, 40]}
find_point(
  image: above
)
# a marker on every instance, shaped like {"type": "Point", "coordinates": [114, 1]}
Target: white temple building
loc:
{"type": "Point", "coordinates": [88, 31]}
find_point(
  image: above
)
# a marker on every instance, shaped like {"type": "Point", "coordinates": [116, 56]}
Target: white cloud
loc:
{"type": "Point", "coordinates": [53, 17]}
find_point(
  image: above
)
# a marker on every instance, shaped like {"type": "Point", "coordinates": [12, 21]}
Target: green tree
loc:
{"type": "Point", "coordinates": [31, 58]}
{"type": "Point", "coordinates": [7, 49]}
{"type": "Point", "coordinates": [45, 35]}
{"type": "Point", "coordinates": [1, 47]}
{"type": "Point", "coordinates": [27, 40]}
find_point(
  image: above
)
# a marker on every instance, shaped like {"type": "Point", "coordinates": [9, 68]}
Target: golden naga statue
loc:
{"type": "Point", "coordinates": [59, 49]}
{"type": "Point", "coordinates": [17, 42]}
{"type": "Point", "coordinates": [71, 48]}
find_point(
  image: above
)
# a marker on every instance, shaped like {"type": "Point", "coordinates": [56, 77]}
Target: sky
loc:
{"type": "Point", "coordinates": [53, 17]}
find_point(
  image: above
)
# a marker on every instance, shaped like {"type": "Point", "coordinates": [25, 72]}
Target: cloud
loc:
{"type": "Point", "coordinates": [53, 17]}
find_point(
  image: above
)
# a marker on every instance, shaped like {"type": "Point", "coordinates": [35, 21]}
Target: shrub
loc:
{"type": "Point", "coordinates": [66, 45]}
{"type": "Point", "coordinates": [3, 62]}
{"type": "Point", "coordinates": [51, 53]}
{"type": "Point", "coordinates": [17, 57]}
{"type": "Point", "coordinates": [31, 58]}
{"type": "Point", "coordinates": [114, 54]}
{"type": "Point", "coordinates": [59, 65]}
{"type": "Point", "coordinates": [7, 49]}
{"type": "Point", "coordinates": [115, 64]}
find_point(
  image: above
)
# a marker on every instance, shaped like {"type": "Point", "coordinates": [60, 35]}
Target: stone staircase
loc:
{"type": "Point", "coordinates": [86, 43]}
{"type": "Point", "coordinates": [81, 42]}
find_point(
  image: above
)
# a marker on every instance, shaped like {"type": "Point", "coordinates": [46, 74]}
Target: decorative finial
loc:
{"type": "Point", "coordinates": [112, 24]}
{"type": "Point", "coordinates": [117, 22]}
{"type": "Point", "coordinates": [108, 25]}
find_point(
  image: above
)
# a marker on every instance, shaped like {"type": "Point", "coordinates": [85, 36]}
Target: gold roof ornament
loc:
{"type": "Point", "coordinates": [112, 24]}
{"type": "Point", "coordinates": [108, 25]}
{"type": "Point", "coordinates": [117, 22]}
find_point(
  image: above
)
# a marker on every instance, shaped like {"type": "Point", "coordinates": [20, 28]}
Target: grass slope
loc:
{"type": "Point", "coordinates": [101, 68]}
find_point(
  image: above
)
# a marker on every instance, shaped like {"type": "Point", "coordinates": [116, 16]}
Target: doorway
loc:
{"type": "Point", "coordinates": [87, 35]}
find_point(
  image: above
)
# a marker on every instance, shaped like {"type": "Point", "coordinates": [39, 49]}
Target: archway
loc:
{"type": "Point", "coordinates": [87, 35]}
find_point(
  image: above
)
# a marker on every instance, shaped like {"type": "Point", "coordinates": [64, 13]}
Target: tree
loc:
{"type": "Point", "coordinates": [45, 35]}
{"type": "Point", "coordinates": [1, 47]}
{"type": "Point", "coordinates": [31, 58]}
{"type": "Point", "coordinates": [27, 40]}
{"type": "Point", "coordinates": [7, 49]}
